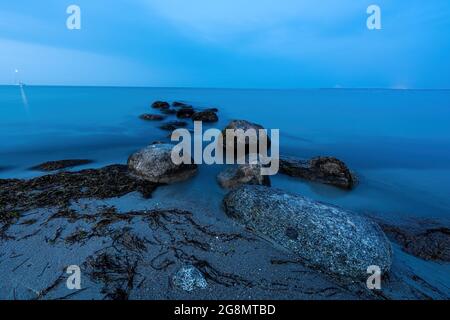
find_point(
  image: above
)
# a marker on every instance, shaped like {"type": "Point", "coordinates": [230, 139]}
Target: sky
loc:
{"type": "Point", "coordinates": [227, 43]}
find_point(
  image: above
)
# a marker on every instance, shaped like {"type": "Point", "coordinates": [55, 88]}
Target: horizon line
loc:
{"type": "Point", "coordinates": [224, 88]}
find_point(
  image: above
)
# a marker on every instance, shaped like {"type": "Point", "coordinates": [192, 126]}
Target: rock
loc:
{"type": "Point", "coordinates": [325, 237]}
{"type": "Point", "coordinates": [152, 117]}
{"type": "Point", "coordinates": [160, 105]}
{"type": "Point", "coordinates": [428, 244]}
{"type": "Point", "coordinates": [189, 278]}
{"type": "Point", "coordinates": [185, 112]}
{"type": "Point", "coordinates": [169, 111]}
{"type": "Point", "coordinates": [327, 170]}
{"type": "Point", "coordinates": [243, 125]}
{"type": "Point", "coordinates": [154, 164]}
{"type": "Point", "coordinates": [172, 125]}
{"type": "Point", "coordinates": [179, 104]}
{"type": "Point", "coordinates": [61, 164]}
{"type": "Point", "coordinates": [242, 174]}
{"type": "Point", "coordinates": [205, 116]}
{"type": "Point", "coordinates": [211, 109]}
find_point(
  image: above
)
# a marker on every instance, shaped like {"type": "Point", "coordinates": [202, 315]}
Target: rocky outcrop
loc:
{"type": "Point", "coordinates": [152, 117]}
{"type": "Point", "coordinates": [154, 164]}
{"type": "Point", "coordinates": [205, 116]}
{"type": "Point", "coordinates": [326, 170]}
{"type": "Point", "coordinates": [242, 174]}
{"type": "Point", "coordinates": [325, 237]}
{"type": "Point", "coordinates": [61, 164]}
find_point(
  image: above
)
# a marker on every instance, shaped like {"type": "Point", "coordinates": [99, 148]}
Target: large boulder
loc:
{"type": "Point", "coordinates": [242, 125]}
{"type": "Point", "coordinates": [326, 170]}
{"type": "Point", "coordinates": [242, 174]}
{"type": "Point", "coordinates": [154, 164]}
{"type": "Point", "coordinates": [325, 237]}
{"type": "Point", "coordinates": [205, 116]}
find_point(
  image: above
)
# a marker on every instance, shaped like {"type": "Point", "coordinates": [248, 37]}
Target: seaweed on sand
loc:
{"type": "Point", "coordinates": [60, 189]}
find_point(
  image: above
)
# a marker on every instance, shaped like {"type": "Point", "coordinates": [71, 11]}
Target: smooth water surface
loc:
{"type": "Point", "coordinates": [397, 141]}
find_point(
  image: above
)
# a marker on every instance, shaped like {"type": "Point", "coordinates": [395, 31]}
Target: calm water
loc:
{"type": "Point", "coordinates": [398, 142]}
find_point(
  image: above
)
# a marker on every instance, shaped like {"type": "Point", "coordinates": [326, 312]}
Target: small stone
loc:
{"type": "Point", "coordinates": [189, 278]}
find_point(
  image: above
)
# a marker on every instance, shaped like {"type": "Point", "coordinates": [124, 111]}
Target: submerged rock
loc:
{"type": "Point", "coordinates": [169, 111]}
{"type": "Point", "coordinates": [160, 105]}
{"type": "Point", "coordinates": [428, 244]}
{"type": "Point", "coordinates": [327, 170]}
{"type": "Point", "coordinates": [61, 164]}
{"type": "Point", "coordinates": [323, 236]}
{"type": "Point", "coordinates": [179, 104]}
{"type": "Point", "coordinates": [205, 116]}
{"type": "Point", "coordinates": [189, 278]}
{"type": "Point", "coordinates": [211, 110]}
{"type": "Point", "coordinates": [242, 174]}
{"type": "Point", "coordinates": [172, 125]}
{"type": "Point", "coordinates": [185, 112]}
{"type": "Point", "coordinates": [154, 164]}
{"type": "Point", "coordinates": [152, 117]}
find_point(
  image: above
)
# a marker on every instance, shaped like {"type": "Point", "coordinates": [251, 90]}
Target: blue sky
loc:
{"type": "Point", "coordinates": [227, 43]}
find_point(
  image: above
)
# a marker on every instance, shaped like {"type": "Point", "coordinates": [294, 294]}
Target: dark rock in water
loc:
{"type": "Point", "coordinates": [242, 174]}
{"type": "Point", "coordinates": [243, 125]}
{"type": "Point", "coordinates": [211, 110]}
{"type": "Point", "coordinates": [152, 117]}
{"type": "Point", "coordinates": [169, 111]}
{"type": "Point", "coordinates": [160, 105]}
{"type": "Point", "coordinates": [189, 278]}
{"type": "Point", "coordinates": [172, 125]}
{"type": "Point", "coordinates": [325, 237]}
{"type": "Point", "coordinates": [205, 116]}
{"type": "Point", "coordinates": [185, 112]}
{"type": "Point", "coordinates": [322, 169]}
{"type": "Point", "coordinates": [428, 244]}
{"type": "Point", "coordinates": [61, 164]}
{"type": "Point", "coordinates": [179, 104]}
{"type": "Point", "coordinates": [154, 164]}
